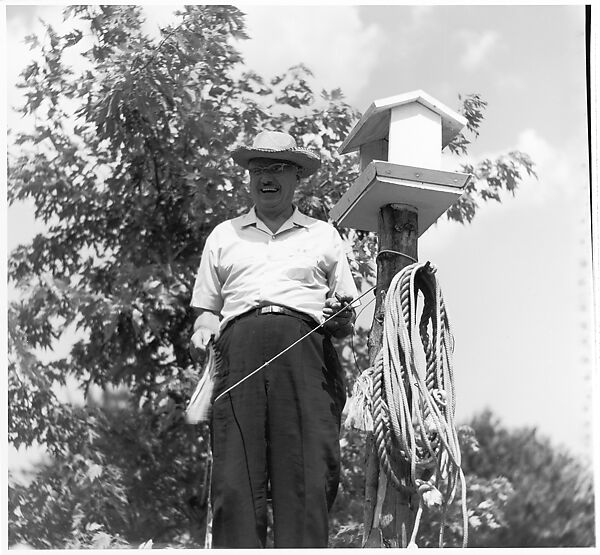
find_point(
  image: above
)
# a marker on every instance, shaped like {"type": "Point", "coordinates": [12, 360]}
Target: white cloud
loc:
{"type": "Point", "coordinates": [421, 15]}
{"type": "Point", "coordinates": [562, 179]}
{"type": "Point", "coordinates": [478, 46]}
{"type": "Point", "coordinates": [561, 170]}
{"type": "Point", "coordinates": [331, 41]}
{"type": "Point", "coordinates": [509, 82]}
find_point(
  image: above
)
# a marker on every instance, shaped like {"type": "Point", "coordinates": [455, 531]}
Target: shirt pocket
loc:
{"type": "Point", "coordinates": [299, 265]}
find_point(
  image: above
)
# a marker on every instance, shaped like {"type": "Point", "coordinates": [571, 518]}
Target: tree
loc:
{"type": "Point", "coordinates": [487, 501]}
{"type": "Point", "coordinates": [521, 492]}
{"type": "Point", "coordinates": [553, 500]}
{"type": "Point", "coordinates": [128, 166]}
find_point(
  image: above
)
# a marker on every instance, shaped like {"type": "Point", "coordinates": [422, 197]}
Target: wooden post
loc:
{"type": "Point", "coordinates": [392, 526]}
{"type": "Point", "coordinates": [399, 139]}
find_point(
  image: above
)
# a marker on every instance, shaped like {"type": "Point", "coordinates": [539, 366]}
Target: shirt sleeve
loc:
{"type": "Point", "coordinates": [340, 278]}
{"type": "Point", "coordinates": [207, 288]}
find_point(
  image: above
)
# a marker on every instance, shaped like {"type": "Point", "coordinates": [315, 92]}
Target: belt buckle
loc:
{"type": "Point", "coordinates": [272, 309]}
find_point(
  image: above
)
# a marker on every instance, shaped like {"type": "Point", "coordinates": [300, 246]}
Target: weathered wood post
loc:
{"type": "Point", "coordinates": [400, 192]}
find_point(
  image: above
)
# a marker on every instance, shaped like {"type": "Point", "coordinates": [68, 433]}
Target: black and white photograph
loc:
{"type": "Point", "coordinates": [300, 276]}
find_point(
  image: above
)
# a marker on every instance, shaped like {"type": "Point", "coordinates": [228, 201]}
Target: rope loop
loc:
{"type": "Point", "coordinates": [413, 396]}
{"type": "Point", "coordinates": [397, 253]}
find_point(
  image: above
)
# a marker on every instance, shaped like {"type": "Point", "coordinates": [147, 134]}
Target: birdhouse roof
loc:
{"type": "Point", "coordinates": [375, 122]}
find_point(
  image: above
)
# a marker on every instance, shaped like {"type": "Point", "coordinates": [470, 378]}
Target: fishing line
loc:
{"type": "Point", "coordinates": [354, 331]}
{"type": "Point", "coordinates": [239, 427]}
{"type": "Point", "coordinates": [293, 344]}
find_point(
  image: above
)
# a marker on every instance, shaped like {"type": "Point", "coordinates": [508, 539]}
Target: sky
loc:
{"type": "Point", "coordinates": [517, 280]}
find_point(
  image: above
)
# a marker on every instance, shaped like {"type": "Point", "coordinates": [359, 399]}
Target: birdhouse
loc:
{"type": "Point", "coordinates": [400, 141]}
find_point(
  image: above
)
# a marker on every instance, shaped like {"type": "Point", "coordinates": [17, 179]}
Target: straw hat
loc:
{"type": "Point", "coordinates": [279, 146]}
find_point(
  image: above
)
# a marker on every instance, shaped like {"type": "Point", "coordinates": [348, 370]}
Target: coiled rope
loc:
{"type": "Point", "coordinates": [408, 399]}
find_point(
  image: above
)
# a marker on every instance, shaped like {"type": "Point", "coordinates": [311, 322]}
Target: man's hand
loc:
{"type": "Point", "coordinates": [341, 325]}
{"type": "Point", "coordinates": [198, 342]}
{"type": "Point", "coordinates": [206, 324]}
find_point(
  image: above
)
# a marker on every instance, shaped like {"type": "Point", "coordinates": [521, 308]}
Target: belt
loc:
{"type": "Point", "coordinates": [276, 309]}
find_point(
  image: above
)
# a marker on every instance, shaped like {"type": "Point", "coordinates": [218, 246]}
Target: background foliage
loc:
{"type": "Point", "coordinates": [128, 166]}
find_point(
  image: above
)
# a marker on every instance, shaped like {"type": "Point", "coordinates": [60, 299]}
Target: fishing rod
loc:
{"type": "Point", "coordinates": [345, 307]}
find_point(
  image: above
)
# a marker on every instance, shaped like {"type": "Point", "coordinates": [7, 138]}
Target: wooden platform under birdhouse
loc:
{"type": "Point", "coordinates": [429, 191]}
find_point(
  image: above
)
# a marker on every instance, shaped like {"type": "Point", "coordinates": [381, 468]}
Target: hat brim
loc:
{"type": "Point", "coordinates": [307, 161]}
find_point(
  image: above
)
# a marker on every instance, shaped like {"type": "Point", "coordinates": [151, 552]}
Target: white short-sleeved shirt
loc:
{"type": "Point", "coordinates": [245, 265]}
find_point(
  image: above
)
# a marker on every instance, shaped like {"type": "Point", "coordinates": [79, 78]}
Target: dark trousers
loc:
{"type": "Point", "coordinates": [277, 432]}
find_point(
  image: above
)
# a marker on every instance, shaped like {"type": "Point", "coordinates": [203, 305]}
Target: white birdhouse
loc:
{"type": "Point", "coordinates": [400, 141]}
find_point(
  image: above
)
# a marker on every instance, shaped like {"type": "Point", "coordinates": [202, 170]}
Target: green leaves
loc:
{"type": "Point", "coordinates": [129, 199]}
{"type": "Point", "coordinates": [551, 502]}
{"type": "Point", "coordinates": [70, 39]}
{"type": "Point", "coordinates": [521, 492]}
{"type": "Point", "coordinates": [71, 502]}
{"type": "Point", "coordinates": [490, 179]}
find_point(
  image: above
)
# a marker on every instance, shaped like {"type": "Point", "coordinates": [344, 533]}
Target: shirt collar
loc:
{"type": "Point", "coordinates": [249, 218]}
{"type": "Point", "coordinates": [297, 218]}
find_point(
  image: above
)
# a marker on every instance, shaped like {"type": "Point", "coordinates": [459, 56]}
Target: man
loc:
{"type": "Point", "coordinates": [271, 276]}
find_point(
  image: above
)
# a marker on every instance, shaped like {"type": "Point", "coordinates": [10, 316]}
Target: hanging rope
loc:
{"type": "Point", "coordinates": [408, 399]}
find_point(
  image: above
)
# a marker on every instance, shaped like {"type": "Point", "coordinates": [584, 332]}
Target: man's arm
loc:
{"type": "Point", "coordinates": [339, 280]}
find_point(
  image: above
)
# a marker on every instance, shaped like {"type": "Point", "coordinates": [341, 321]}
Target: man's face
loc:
{"type": "Point", "coordinates": [272, 184]}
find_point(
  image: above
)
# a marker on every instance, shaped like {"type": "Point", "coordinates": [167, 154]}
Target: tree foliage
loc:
{"type": "Point", "coordinates": [553, 500]}
{"type": "Point", "coordinates": [128, 166]}
{"type": "Point", "coordinates": [487, 499]}
{"type": "Point", "coordinates": [521, 492]}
